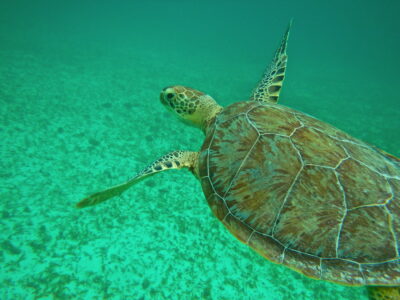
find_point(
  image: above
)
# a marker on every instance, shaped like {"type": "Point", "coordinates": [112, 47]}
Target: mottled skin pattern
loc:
{"type": "Point", "coordinates": [304, 194]}
{"type": "Point", "coordinates": [182, 99]}
{"type": "Point", "coordinates": [189, 105]}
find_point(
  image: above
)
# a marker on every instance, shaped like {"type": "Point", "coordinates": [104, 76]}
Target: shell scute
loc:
{"type": "Point", "coordinates": [342, 271]}
{"type": "Point", "coordinates": [394, 209]}
{"type": "Point", "coordinates": [227, 151]}
{"type": "Point", "coordinates": [378, 274]}
{"type": "Point", "coordinates": [312, 143]}
{"type": "Point", "coordinates": [311, 217]}
{"type": "Point", "coordinates": [259, 242]}
{"type": "Point", "coordinates": [282, 122]}
{"type": "Point", "coordinates": [207, 186]}
{"type": "Point", "coordinates": [260, 186]}
{"type": "Point", "coordinates": [362, 185]}
{"type": "Point", "coordinates": [232, 111]}
{"type": "Point", "coordinates": [326, 129]}
{"type": "Point", "coordinates": [373, 159]}
{"type": "Point", "coordinates": [306, 264]}
{"type": "Point", "coordinates": [366, 236]}
{"type": "Point", "coordinates": [217, 206]}
{"type": "Point", "coordinates": [239, 228]}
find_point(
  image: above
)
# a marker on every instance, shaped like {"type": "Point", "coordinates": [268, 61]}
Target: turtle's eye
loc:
{"type": "Point", "coordinates": [170, 95]}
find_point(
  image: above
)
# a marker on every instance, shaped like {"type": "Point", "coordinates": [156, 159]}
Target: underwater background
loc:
{"type": "Point", "coordinates": [80, 111]}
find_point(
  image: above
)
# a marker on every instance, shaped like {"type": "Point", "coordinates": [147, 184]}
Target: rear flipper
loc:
{"type": "Point", "coordinates": [383, 293]}
{"type": "Point", "coordinates": [172, 160]}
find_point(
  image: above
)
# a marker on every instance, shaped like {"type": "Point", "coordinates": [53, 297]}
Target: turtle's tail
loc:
{"type": "Point", "coordinates": [383, 293]}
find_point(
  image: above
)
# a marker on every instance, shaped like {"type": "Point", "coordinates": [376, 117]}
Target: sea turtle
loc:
{"type": "Point", "coordinates": [298, 191]}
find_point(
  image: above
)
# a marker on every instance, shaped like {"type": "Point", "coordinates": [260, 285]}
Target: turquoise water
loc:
{"type": "Point", "coordinates": [79, 111]}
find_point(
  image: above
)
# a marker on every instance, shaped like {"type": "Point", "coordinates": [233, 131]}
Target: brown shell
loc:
{"type": "Point", "coordinates": [304, 194]}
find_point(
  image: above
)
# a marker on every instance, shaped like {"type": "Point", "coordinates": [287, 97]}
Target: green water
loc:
{"type": "Point", "coordinates": [79, 111]}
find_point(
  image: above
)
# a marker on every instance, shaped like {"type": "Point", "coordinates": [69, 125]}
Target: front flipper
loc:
{"type": "Point", "coordinates": [172, 160]}
{"type": "Point", "coordinates": [269, 87]}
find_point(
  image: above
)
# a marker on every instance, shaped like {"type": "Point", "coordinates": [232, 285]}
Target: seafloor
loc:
{"type": "Point", "coordinates": [75, 120]}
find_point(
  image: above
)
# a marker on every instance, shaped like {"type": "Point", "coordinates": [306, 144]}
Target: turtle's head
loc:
{"type": "Point", "coordinates": [191, 106]}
